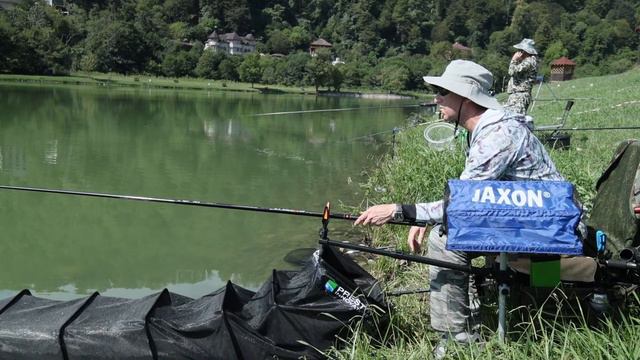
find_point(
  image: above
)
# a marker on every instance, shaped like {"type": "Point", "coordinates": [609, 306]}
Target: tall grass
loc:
{"type": "Point", "coordinates": [415, 173]}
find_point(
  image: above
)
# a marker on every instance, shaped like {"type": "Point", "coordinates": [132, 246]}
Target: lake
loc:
{"type": "Point", "coordinates": [190, 145]}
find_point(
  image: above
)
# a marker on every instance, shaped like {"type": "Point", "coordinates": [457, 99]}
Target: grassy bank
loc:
{"type": "Point", "coordinates": [143, 81]}
{"type": "Point", "coordinates": [417, 173]}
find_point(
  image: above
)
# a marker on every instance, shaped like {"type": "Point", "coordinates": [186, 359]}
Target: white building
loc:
{"type": "Point", "coordinates": [337, 61]}
{"type": "Point", "coordinates": [6, 4]}
{"type": "Point", "coordinates": [231, 43]}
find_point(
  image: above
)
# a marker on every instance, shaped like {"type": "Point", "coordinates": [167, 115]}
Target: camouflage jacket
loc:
{"type": "Point", "coordinates": [523, 75]}
{"type": "Point", "coordinates": [501, 148]}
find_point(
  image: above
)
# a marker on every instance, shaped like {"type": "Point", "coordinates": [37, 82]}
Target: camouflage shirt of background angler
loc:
{"type": "Point", "coordinates": [523, 75]}
{"type": "Point", "coordinates": [502, 148]}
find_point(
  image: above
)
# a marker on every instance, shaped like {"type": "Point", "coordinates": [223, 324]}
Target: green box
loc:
{"type": "Point", "coordinates": [545, 273]}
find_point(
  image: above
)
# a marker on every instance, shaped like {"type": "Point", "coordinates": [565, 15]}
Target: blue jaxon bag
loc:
{"type": "Point", "coordinates": [536, 217]}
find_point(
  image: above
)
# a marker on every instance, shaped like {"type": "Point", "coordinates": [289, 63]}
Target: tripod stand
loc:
{"type": "Point", "coordinates": [540, 81]}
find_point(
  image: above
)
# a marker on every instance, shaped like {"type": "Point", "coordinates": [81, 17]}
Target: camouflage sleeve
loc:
{"type": "Point", "coordinates": [528, 65]}
{"type": "Point", "coordinates": [491, 154]}
{"type": "Point", "coordinates": [431, 212]}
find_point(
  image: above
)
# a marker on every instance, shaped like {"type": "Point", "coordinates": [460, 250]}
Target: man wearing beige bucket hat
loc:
{"type": "Point", "coordinates": [523, 69]}
{"type": "Point", "coordinates": [501, 148]}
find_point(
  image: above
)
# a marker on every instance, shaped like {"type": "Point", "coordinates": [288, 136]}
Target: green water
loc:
{"type": "Point", "coordinates": [177, 145]}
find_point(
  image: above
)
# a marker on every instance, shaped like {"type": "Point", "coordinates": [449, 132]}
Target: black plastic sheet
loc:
{"type": "Point", "coordinates": [293, 315]}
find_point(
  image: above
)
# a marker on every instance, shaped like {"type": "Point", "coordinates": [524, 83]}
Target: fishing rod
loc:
{"type": "Point", "coordinates": [346, 109]}
{"type": "Point", "coordinates": [350, 217]}
{"type": "Point", "coordinates": [409, 257]}
{"type": "Point", "coordinates": [396, 129]}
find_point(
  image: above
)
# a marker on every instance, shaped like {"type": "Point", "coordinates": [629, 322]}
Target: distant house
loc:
{"type": "Point", "coordinates": [319, 44]}
{"type": "Point", "coordinates": [231, 43]}
{"type": "Point", "coordinates": [456, 45]}
{"type": "Point", "coordinates": [459, 51]}
{"type": "Point", "coordinates": [562, 69]}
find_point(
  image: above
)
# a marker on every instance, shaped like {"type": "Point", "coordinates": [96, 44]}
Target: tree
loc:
{"type": "Point", "coordinates": [419, 66]}
{"type": "Point", "coordinates": [228, 68]}
{"type": "Point", "coordinates": [299, 38]}
{"type": "Point", "coordinates": [498, 65]}
{"type": "Point", "coordinates": [8, 48]}
{"type": "Point", "coordinates": [318, 71]}
{"type": "Point", "coordinates": [544, 36]}
{"type": "Point", "coordinates": [269, 66]}
{"type": "Point", "coordinates": [336, 77]}
{"type": "Point", "coordinates": [181, 59]}
{"type": "Point", "coordinates": [355, 72]}
{"type": "Point", "coordinates": [37, 39]}
{"type": "Point", "coordinates": [179, 30]}
{"type": "Point", "coordinates": [180, 10]}
{"type": "Point", "coordinates": [554, 51]}
{"type": "Point", "coordinates": [278, 43]}
{"type": "Point", "coordinates": [393, 74]}
{"type": "Point", "coordinates": [294, 69]}
{"type": "Point", "coordinates": [250, 69]}
{"type": "Point", "coordinates": [209, 63]}
{"type": "Point", "coordinates": [114, 45]}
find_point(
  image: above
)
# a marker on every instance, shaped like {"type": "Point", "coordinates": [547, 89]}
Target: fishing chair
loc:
{"type": "Point", "coordinates": [605, 273]}
{"type": "Point", "coordinates": [532, 223]}
{"type": "Point", "coordinates": [558, 126]}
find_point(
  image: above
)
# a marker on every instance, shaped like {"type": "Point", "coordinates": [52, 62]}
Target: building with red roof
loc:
{"type": "Point", "coordinates": [562, 69]}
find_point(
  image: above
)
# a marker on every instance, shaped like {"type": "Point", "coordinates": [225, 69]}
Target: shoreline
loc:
{"type": "Point", "coordinates": [147, 82]}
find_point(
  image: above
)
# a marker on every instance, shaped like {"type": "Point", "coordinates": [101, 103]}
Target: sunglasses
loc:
{"type": "Point", "coordinates": [441, 91]}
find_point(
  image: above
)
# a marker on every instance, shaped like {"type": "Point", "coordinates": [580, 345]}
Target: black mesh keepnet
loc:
{"type": "Point", "coordinates": [292, 313]}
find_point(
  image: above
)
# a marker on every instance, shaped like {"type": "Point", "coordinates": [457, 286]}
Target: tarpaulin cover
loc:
{"type": "Point", "coordinates": [536, 217]}
{"type": "Point", "coordinates": [292, 313]}
{"type": "Point", "coordinates": [618, 194]}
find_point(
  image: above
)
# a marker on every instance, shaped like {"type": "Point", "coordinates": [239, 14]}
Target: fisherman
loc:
{"type": "Point", "coordinates": [523, 69]}
{"type": "Point", "coordinates": [501, 148]}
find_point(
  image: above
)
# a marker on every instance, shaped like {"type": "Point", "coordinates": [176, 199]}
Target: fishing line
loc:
{"type": "Point", "coordinates": [395, 130]}
{"type": "Point", "coordinates": [341, 109]}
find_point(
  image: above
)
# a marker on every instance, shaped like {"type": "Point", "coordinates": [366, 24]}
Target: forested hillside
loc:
{"type": "Point", "coordinates": [386, 44]}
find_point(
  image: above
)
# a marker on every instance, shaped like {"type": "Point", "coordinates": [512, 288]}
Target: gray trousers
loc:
{"type": "Point", "coordinates": [450, 289]}
{"type": "Point", "coordinates": [518, 102]}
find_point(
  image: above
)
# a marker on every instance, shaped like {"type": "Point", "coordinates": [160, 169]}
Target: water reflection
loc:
{"type": "Point", "coordinates": [167, 144]}
{"type": "Point", "coordinates": [51, 153]}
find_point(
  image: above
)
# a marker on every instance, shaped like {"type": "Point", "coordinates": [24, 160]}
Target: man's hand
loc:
{"type": "Point", "coordinates": [416, 235]}
{"type": "Point", "coordinates": [519, 55]}
{"type": "Point", "coordinates": [376, 215]}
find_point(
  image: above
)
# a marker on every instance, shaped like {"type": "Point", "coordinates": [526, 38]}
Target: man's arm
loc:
{"type": "Point", "coordinates": [527, 64]}
{"type": "Point", "coordinates": [431, 212]}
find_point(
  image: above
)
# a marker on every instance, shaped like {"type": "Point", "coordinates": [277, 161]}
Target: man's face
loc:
{"type": "Point", "coordinates": [449, 104]}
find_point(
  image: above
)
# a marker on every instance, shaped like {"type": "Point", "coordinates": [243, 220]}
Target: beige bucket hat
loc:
{"type": "Point", "coordinates": [469, 80]}
{"type": "Point", "coordinates": [526, 45]}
